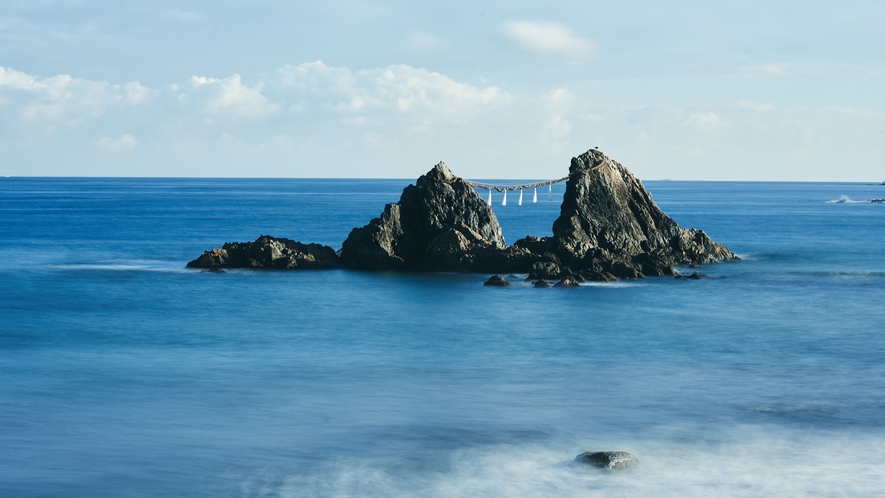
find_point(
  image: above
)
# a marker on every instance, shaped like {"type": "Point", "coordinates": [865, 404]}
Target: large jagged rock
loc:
{"type": "Point", "coordinates": [440, 223]}
{"type": "Point", "coordinates": [609, 223]}
{"type": "Point", "coordinates": [268, 252]}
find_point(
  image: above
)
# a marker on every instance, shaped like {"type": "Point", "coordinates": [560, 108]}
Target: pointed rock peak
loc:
{"type": "Point", "coordinates": [587, 160]}
{"type": "Point", "coordinates": [440, 173]}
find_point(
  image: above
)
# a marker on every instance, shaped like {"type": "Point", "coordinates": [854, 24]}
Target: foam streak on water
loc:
{"type": "Point", "coordinates": [124, 374]}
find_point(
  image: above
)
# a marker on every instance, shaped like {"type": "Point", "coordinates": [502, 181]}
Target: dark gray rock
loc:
{"type": "Point", "coordinates": [608, 460]}
{"type": "Point", "coordinates": [545, 270]}
{"type": "Point", "coordinates": [542, 284]}
{"type": "Point", "coordinates": [568, 281]}
{"type": "Point", "coordinates": [440, 223]}
{"type": "Point", "coordinates": [268, 252]}
{"type": "Point", "coordinates": [607, 217]}
{"type": "Point", "coordinates": [497, 281]}
{"type": "Point", "coordinates": [693, 276]}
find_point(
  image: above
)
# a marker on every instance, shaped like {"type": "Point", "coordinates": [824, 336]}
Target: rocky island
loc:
{"type": "Point", "coordinates": [609, 227]}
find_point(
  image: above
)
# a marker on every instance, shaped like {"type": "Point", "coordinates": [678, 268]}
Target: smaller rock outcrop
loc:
{"type": "Point", "coordinates": [693, 276]}
{"type": "Point", "coordinates": [608, 460]}
{"type": "Point", "coordinates": [568, 281]}
{"type": "Point", "coordinates": [268, 252]}
{"type": "Point", "coordinates": [497, 281]}
{"type": "Point", "coordinates": [541, 284]}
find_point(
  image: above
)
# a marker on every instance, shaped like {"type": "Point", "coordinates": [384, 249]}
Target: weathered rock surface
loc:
{"type": "Point", "coordinates": [568, 281]}
{"type": "Point", "coordinates": [497, 281]}
{"type": "Point", "coordinates": [609, 223]}
{"type": "Point", "coordinates": [439, 224]}
{"type": "Point", "coordinates": [609, 460]}
{"type": "Point", "coordinates": [268, 252]}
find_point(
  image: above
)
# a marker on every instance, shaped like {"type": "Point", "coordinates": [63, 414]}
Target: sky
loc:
{"type": "Point", "coordinates": [684, 90]}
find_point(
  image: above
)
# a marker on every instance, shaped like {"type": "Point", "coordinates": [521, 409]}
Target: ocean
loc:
{"type": "Point", "coordinates": [124, 374]}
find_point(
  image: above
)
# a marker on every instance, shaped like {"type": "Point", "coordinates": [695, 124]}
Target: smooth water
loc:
{"type": "Point", "coordinates": [124, 374]}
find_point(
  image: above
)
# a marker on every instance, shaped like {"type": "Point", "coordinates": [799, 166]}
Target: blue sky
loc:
{"type": "Point", "coordinates": [731, 90]}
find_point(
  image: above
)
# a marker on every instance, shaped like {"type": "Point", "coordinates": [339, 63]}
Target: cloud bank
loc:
{"type": "Point", "coordinates": [547, 38]}
{"type": "Point", "coordinates": [314, 119]}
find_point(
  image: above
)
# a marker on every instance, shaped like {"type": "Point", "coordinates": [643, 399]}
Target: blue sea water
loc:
{"type": "Point", "coordinates": [124, 374]}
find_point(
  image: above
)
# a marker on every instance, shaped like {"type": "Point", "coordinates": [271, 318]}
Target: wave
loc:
{"type": "Point", "coordinates": [841, 275]}
{"type": "Point", "coordinates": [519, 280]}
{"type": "Point", "coordinates": [844, 199]}
{"type": "Point", "coordinates": [124, 265]}
{"type": "Point", "coordinates": [744, 463]}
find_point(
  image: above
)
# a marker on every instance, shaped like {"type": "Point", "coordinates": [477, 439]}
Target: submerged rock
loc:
{"type": "Point", "coordinates": [693, 276]}
{"type": "Point", "coordinates": [541, 284]}
{"type": "Point", "coordinates": [497, 281]}
{"type": "Point", "coordinates": [568, 281]}
{"type": "Point", "coordinates": [609, 460]}
{"type": "Point", "coordinates": [268, 252]}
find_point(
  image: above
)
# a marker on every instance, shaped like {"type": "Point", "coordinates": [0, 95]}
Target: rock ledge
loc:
{"type": "Point", "coordinates": [268, 252]}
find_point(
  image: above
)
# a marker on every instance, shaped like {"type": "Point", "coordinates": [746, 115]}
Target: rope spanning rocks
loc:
{"type": "Point", "coordinates": [504, 188]}
{"type": "Point", "coordinates": [268, 252]}
{"type": "Point", "coordinates": [609, 227]}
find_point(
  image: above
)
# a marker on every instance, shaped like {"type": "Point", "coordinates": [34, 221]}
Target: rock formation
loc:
{"type": "Point", "coordinates": [608, 228]}
{"type": "Point", "coordinates": [497, 281]}
{"type": "Point", "coordinates": [268, 252]}
{"type": "Point", "coordinates": [609, 224]}
{"type": "Point", "coordinates": [439, 224]}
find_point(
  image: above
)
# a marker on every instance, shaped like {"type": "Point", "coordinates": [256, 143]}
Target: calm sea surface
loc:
{"type": "Point", "coordinates": [124, 374]}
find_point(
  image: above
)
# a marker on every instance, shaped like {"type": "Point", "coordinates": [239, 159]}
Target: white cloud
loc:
{"type": "Point", "coordinates": [548, 38]}
{"type": "Point", "coordinates": [388, 121]}
{"type": "Point", "coordinates": [402, 90]}
{"type": "Point", "coordinates": [125, 142]}
{"type": "Point", "coordinates": [230, 95]}
{"type": "Point", "coordinates": [65, 99]}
